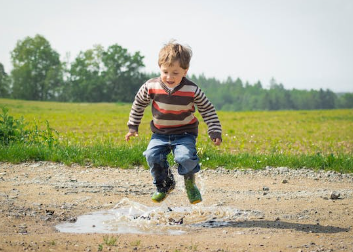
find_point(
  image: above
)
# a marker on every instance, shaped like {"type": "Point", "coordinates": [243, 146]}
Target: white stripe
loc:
{"type": "Point", "coordinates": [174, 107]}
{"type": "Point", "coordinates": [187, 88]}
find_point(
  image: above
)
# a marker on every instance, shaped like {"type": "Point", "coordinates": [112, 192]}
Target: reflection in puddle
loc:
{"type": "Point", "coordinates": [132, 217]}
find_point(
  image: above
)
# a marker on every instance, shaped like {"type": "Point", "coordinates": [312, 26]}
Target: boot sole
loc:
{"type": "Point", "coordinates": [156, 201]}
{"type": "Point", "coordinates": [195, 202]}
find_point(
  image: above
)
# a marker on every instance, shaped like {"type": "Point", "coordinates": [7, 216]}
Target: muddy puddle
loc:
{"type": "Point", "coordinates": [132, 217]}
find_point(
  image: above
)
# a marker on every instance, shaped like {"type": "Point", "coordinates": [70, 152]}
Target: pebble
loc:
{"type": "Point", "coordinates": [335, 195]}
{"type": "Point", "coordinates": [265, 188]}
{"type": "Point", "coordinates": [22, 229]}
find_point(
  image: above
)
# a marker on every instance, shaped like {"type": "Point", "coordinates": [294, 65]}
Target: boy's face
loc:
{"type": "Point", "coordinates": [172, 75]}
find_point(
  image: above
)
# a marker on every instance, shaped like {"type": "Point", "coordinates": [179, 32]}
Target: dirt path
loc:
{"type": "Point", "coordinates": [289, 210]}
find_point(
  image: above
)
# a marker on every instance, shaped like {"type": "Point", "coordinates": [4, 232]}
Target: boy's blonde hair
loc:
{"type": "Point", "coordinates": [172, 52]}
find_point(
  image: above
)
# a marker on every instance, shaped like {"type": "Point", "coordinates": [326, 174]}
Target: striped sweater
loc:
{"type": "Point", "coordinates": [173, 110]}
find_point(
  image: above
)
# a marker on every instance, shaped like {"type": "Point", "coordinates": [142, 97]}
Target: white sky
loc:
{"type": "Point", "coordinates": [303, 44]}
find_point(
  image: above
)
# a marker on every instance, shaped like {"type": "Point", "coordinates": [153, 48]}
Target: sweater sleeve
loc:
{"type": "Point", "coordinates": [142, 100]}
{"type": "Point", "coordinates": [208, 113]}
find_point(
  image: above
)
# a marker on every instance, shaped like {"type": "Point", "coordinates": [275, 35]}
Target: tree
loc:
{"type": "Point", "coordinates": [121, 76]}
{"type": "Point", "coordinates": [238, 83]}
{"type": "Point", "coordinates": [346, 100]}
{"type": "Point", "coordinates": [4, 83]}
{"type": "Point", "coordinates": [85, 82]}
{"type": "Point", "coordinates": [105, 75]}
{"type": "Point", "coordinates": [327, 99]}
{"type": "Point", "coordinates": [37, 72]}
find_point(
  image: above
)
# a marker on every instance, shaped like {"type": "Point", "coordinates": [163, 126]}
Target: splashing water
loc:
{"type": "Point", "coordinates": [132, 217]}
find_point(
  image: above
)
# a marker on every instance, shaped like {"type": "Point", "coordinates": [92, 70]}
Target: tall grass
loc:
{"type": "Point", "coordinates": [93, 134]}
{"type": "Point", "coordinates": [99, 155]}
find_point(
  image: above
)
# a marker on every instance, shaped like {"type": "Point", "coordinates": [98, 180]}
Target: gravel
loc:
{"type": "Point", "coordinates": [81, 186]}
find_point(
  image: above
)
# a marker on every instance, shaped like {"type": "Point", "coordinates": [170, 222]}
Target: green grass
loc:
{"type": "Point", "coordinates": [110, 240]}
{"type": "Point", "coordinates": [94, 134]}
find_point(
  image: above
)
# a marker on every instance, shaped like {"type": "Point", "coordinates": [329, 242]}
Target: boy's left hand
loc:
{"type": "Point", "coordinates": [130, 134]}
{"type": "Point", "coordinates": [217, 141]}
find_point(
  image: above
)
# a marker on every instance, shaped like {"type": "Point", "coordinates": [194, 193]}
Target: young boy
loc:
{"type": "Point", "coordinates": [174, 125]}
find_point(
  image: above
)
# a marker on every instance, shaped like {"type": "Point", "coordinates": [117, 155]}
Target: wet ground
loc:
{"type": "Point", "coordinates": [52, 207]}
{"type": "Point", "coordinates": [134, 218]}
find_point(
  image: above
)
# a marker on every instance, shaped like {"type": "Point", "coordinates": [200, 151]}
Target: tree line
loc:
{"type": "Point", "coordinates": [115, 75]}
{"type": "Point", "coordinates": [95, 75]}
{"type": "Point", "coordinates": [234, 95]}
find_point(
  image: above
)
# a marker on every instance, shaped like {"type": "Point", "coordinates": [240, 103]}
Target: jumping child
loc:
{"type": "Point", "coordinates": [174, 125]}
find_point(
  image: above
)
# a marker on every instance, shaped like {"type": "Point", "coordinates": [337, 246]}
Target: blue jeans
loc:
{"type": "Point", "coordinates": [183, 147]}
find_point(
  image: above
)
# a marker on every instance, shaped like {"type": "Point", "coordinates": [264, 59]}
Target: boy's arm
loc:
{"type": "Point", "coordinates": [209, 115]}
{"type": "Point", "coordinates": [142, 100]}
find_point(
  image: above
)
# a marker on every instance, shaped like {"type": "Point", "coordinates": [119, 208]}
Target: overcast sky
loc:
{"type": "Point", "coordinates": [303, 44]}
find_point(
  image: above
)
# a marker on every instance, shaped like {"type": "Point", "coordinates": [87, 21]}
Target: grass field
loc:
{"type": "Point", "coordinates": [95, 132]}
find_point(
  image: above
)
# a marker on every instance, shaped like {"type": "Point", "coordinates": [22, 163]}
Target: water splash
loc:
{"type": "Point", "coordinates": [132, 217]}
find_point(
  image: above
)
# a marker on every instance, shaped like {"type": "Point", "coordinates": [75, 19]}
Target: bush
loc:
{"type": "Point", "coordinates": [14, 131]}
{"type": "Point", "coordinates": [11, 130]}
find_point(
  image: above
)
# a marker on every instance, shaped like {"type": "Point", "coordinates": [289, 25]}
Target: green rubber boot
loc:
{"type": "Point", "coordinates": [164, 189]}
{"type": "Point", "coordinates": [158, 196]}
{"type": "Point", "coordinates": [192, 191]}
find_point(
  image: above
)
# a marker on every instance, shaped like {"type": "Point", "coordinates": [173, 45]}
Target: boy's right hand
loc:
{"type": "Point", "coordinates": [131, 134]}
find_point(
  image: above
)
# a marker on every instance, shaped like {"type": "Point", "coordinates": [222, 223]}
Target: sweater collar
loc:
{"type": "Point", "coordinates": [171, 91]}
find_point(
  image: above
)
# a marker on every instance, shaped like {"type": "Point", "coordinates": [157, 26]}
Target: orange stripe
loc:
{"type": "Point", "coordinates": [157, 91]}
{"type": "Point", "coordinates": [162, 91]}
{"type": "Point", "coordinates": [174, 126]}
{"type": "Point", "coordinates": [164, 111]}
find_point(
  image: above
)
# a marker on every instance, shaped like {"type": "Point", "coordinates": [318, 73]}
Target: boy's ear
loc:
{"type": "Point", "coordinates": [186, 71]}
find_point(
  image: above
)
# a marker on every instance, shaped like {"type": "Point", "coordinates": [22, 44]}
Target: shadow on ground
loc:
{"type": "Point", "coordinates": [309, 228]}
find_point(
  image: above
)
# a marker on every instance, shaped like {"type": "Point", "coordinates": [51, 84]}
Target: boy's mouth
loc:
{"type": "Point", "coordinates": [170, 82]}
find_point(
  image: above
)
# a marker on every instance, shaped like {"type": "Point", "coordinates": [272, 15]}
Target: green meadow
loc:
{"type": "Point", "coordinates": [93, 134]}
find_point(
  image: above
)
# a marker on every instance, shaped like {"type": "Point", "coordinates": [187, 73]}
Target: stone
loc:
{"type": "Point", "coordinates": [265, 188]}
{"type": "Point", "coordinates": [335, 195]}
